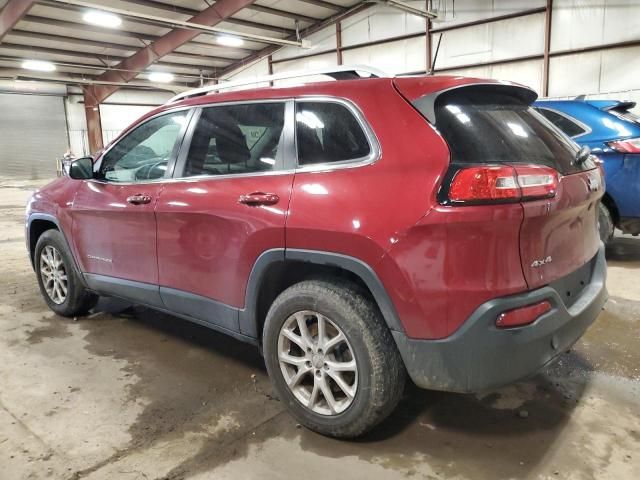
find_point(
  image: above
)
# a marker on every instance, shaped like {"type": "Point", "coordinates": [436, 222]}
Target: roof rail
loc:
{"type": "Point", "coordinates": [344, 72]}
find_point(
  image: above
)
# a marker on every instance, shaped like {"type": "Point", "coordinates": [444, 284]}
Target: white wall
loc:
{"type": "Point", "coordinates": [130, 105]}
{"type": "Point", "coordinates": [576, 24]}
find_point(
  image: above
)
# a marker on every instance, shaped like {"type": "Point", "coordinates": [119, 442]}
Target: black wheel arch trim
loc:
{"type": "Point", "coordinates": [250, 323]}
{"type": "Point", "coordinates": [50, 218]}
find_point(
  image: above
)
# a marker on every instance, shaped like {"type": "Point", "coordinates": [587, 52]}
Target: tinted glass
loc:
{"type": "Point", "coordinates": [328, 132]}
{"type": "Point", "coordinates": [484, 126]}
{"type": "Point", "coordinates": [236, 139]}
{"type": "Point", "coordinates": [144, 153]}
{"type": "Point", "coordinates": [567, 126]}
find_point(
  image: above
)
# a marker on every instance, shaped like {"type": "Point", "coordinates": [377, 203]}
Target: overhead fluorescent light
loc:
{"type": "Point", "coordinates": [102, 19]}
{"type": "Point", "coordinates": [229, 41]}
{"type": "Point", "coordinates": [38, 65]}
{"type": "Point", "coordinates": [161, 77]}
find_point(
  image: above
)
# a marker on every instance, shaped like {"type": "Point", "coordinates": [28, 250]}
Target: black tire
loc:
{"type": "Point", "coordinates": [605, 224]}
{"type": "Point", "coordinates": [381, 373]}
{"type": "Point", "coordinates": [78, 299]}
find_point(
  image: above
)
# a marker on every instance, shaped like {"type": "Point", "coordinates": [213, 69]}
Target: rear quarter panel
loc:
{"type": "Point", "coordinates": [362, 211]}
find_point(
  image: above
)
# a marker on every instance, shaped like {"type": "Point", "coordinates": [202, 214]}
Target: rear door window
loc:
{"type": "Point", "coordinates": [328, 132]}
{"type": "Point", "coordinates": [485, 124]}
{"type": "Point", "coordinates": [237, 139]}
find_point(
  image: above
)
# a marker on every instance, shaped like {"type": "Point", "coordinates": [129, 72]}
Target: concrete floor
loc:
{"type": "Point", "coordinates": [133, 394]}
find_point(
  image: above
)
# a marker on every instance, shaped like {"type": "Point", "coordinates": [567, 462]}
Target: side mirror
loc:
{"type": "Point", "coordinates": [81, 169]}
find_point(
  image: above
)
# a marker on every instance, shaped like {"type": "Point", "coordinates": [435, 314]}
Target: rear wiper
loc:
{"type": "Point", "coordinates": [582, 155]}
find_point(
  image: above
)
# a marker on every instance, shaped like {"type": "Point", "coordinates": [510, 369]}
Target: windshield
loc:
{"type": "Point", "coordinates": [482, 125]}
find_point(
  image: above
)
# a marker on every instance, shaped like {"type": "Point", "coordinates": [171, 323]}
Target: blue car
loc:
{"type": "Point", "coordinates": [612, 133]}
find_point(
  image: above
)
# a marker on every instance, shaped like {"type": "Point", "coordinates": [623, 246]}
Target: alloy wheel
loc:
{"type": "Point", "coordinates": [54, 274]}
{"type": "Point", "coordinates": [317, 363]}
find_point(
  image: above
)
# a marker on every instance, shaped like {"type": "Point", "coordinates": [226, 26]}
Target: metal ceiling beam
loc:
{"type": "Point", "coordinates": [110, 45]}
{"type": "Point", "coordinates": [323, 4]}
{"type": "Point", "coordinates": [283, 13]}
{"type": "Point", "coordinates": [257, 8]}
{"type": "Point", "coordinates": [166, 44]}
{"type": "Point", "coordinates": [192, 24]}
{"type": "Point", "coordinates": [191, 12]}
{"type": "Point", "coordinates": [11, 14]}
{"type": "Point", "coordinates": [138, 36]}
{"type": "Point", "coordinates": [99, 57]}
{"type": "Point", "coordinates": [68, 80]}
{"type": "Point", "coordinates": [405, 7]}
{"type": "Point", "coordinates": [308, 31]}
{"type": "Point", "coordinates": [98, 68]}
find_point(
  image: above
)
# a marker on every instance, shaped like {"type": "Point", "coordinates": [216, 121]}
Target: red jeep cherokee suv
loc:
{"type": "Point", "coordinates": [356, 230]}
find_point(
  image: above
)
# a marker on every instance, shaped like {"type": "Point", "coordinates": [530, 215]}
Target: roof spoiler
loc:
{"type": "Point", "coordinates": [427, 103]}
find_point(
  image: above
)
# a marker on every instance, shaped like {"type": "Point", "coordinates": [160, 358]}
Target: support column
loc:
{"type": "Point", "coordinates": [94, 124]}
{"type": "Point", "coordinates": [547, 47]}
{"type": "Point", "coordinates": [339, 42]}
{"type": "Point", "coordinates": [427, 36]}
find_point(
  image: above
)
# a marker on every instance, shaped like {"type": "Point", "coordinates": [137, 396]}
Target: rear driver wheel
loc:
{"type": "Point", "coordinates": [331, 358]}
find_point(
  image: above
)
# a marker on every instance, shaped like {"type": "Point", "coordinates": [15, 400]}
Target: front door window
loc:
{"type": "Point", "coordinates": [144, 153]}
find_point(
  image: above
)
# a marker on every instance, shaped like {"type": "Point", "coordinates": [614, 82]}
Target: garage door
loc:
{"type": "Point", "coordinates": [33, 133]}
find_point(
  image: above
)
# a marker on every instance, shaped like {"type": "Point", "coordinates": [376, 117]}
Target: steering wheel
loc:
{"type": "Point", "coordinates": [153, 171]}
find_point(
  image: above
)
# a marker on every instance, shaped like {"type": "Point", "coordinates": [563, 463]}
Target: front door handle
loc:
{"type": "Point", "coordinates": [259, 198]}
{"type": "Point", "coordinates": [139, 199]}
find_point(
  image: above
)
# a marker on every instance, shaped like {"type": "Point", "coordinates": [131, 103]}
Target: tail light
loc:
{"type": "Point", "coordinates": [519, 317]}
{"type": "Point", "coordinates": [630, 145]}
{"type": "Point", "coordinates": [496, 184]}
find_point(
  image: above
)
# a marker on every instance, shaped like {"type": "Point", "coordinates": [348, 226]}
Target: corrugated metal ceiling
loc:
{"type": "Point", "coordinates": [57, 33]}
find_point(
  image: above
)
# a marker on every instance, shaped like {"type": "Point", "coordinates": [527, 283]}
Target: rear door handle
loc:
{"type": "Point", "coordinates": [259, 198]}
{"type": "Point", "coordinates": [139, 199]}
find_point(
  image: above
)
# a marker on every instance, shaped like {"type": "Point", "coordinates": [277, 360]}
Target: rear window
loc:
{"type": "Point", "coordinates": [486, 124]}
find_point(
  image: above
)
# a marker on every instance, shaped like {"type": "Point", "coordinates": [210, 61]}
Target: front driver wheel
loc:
{"type": "Point", "coordinates": [331, 358]}
{"type": "Point", "coordinates": [59, 281]}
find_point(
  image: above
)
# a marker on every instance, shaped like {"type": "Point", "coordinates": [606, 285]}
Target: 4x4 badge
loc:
{"type": "Point", "coordinates": [539, 263]}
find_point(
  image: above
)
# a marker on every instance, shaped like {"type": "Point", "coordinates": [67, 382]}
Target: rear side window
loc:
{"type": "Point", "coordinates": [568, 126]}
{"type": "Point", "coordinates": [236, 139]}
{"type": "Point", "coordinates": [328, 132]}
{"type": "Point", "coordinates": [491, 125]}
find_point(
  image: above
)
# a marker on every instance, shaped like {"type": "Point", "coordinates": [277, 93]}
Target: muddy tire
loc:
{"type": "Point", "coordinates": [346, 388]}
{"type": "Point", "coordinates": [60, 283]}
{"type": "Point", "coordinates": [605, 224]}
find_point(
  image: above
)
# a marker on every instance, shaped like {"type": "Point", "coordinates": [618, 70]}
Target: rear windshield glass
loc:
{"type": "Point", "coordinates": [489, 125]}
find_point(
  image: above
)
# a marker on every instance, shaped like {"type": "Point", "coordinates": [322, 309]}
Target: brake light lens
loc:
{"type": "Point", "coordinates": [486, 184]}
{"type": "Point", "coordinates": [521, 316]}
{"type": "Point", "coordinates": [630, 145]}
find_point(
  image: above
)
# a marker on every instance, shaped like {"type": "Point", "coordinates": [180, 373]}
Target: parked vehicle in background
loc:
{"type": "Point", "coordinates": [612, 132]}
{"type": "Point", "coordinates": [357, 230]}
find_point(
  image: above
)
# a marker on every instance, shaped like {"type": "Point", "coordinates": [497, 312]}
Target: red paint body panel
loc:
{"type": "Point", "coordinates": [363, 211]}
{"type": "Point", "coordinates": [113, 237]}
{"type": "Point", "coordinates": [452, 261]}
{"type": "Point", "coordinates": [55, 199]}
{"type": "Point", "coordinates": [208, 241]}
{"type": "Point", "coordinates": [561, 232]}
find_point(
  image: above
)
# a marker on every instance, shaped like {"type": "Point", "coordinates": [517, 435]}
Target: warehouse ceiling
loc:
{"type": "Point", "coordinates": [57, 31]}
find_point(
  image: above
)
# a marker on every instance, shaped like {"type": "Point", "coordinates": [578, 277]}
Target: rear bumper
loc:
{"type": "Point", "coordinates": [480, 356]}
